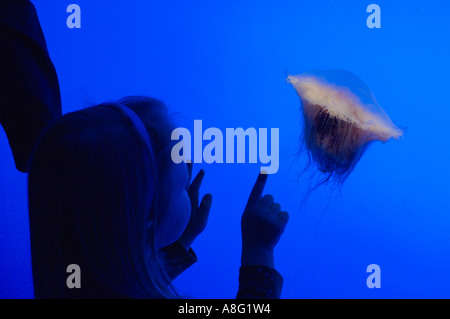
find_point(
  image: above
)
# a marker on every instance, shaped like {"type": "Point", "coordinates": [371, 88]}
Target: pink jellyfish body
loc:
{"type": "Point", "coordinates": [341, 118]}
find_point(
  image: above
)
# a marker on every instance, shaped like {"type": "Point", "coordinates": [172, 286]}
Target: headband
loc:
{"type": "Point", "coordinates": [138, 124]}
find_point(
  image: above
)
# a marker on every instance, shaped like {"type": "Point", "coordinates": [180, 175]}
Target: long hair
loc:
{"type": "Point", "coordinates": [92, 203]}
{"type": "Point", "coordinates": [159, 125]}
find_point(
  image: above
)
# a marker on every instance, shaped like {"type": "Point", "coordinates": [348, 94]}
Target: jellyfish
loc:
{"type": "Point", "coordinates": [340, 119]}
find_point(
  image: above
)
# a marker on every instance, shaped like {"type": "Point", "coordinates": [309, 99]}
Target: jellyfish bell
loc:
{"type": "Point", "coordinates": [341, 118]}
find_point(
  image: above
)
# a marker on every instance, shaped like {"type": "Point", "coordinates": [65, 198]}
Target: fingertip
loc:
{"type": "Point", "coordinates": [206, 200]}
{"type": "Point", "coordinates": [263, 174]}
{"type": "Point", "coordinates": [257, 190]}
{"type": "Point", "coordinates": [206, 203]}
{"type": "Point", "coordinates": [261, 180]}
{"type": "Point", "coordinates": [201, 173]}
{"type": "Point", "coordinates": [208, 197]}
{"type": "Point", "coordinates": [198, 179]}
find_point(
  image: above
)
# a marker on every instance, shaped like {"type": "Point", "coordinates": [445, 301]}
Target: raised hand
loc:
{"type": "Point", "coordinates": [262, 224]}
{"type": "Point", "coordinates": [199, 213]}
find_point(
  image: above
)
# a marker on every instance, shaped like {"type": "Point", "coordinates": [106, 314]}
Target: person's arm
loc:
{"type": "Point", "coordinates": [259, 282]}
{"type": "Point", "coordinates": [262, 225]}
{"type": "Point", "coordinates": [29, 88]}
{"type": "Point", "coordinates": [179, 256]}
{"type": "Point", "coordinates": [176, 259]}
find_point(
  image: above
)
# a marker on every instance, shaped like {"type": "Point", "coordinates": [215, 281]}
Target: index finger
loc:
{"type": "Point", "coordinates": [258, 189]}
{"type": "Point", "coordinates": [189, 165]}
{"type": "Point", "coordinates": [197, 182]}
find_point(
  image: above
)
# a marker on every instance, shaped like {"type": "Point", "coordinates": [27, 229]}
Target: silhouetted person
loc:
{"type": "Point", "coordinates": [104, 194]}
{"type": "Point", "coordinates": [103, 191]}
{"type": "Point", "coordinates": [29, 89]}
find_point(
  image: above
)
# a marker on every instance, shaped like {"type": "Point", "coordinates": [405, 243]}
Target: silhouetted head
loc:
{"type": "Point", "coordinates": [93, 201]}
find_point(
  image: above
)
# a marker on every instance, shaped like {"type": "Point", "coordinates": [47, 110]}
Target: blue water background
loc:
{"type": "Point", "coordinates": [225, 62]}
